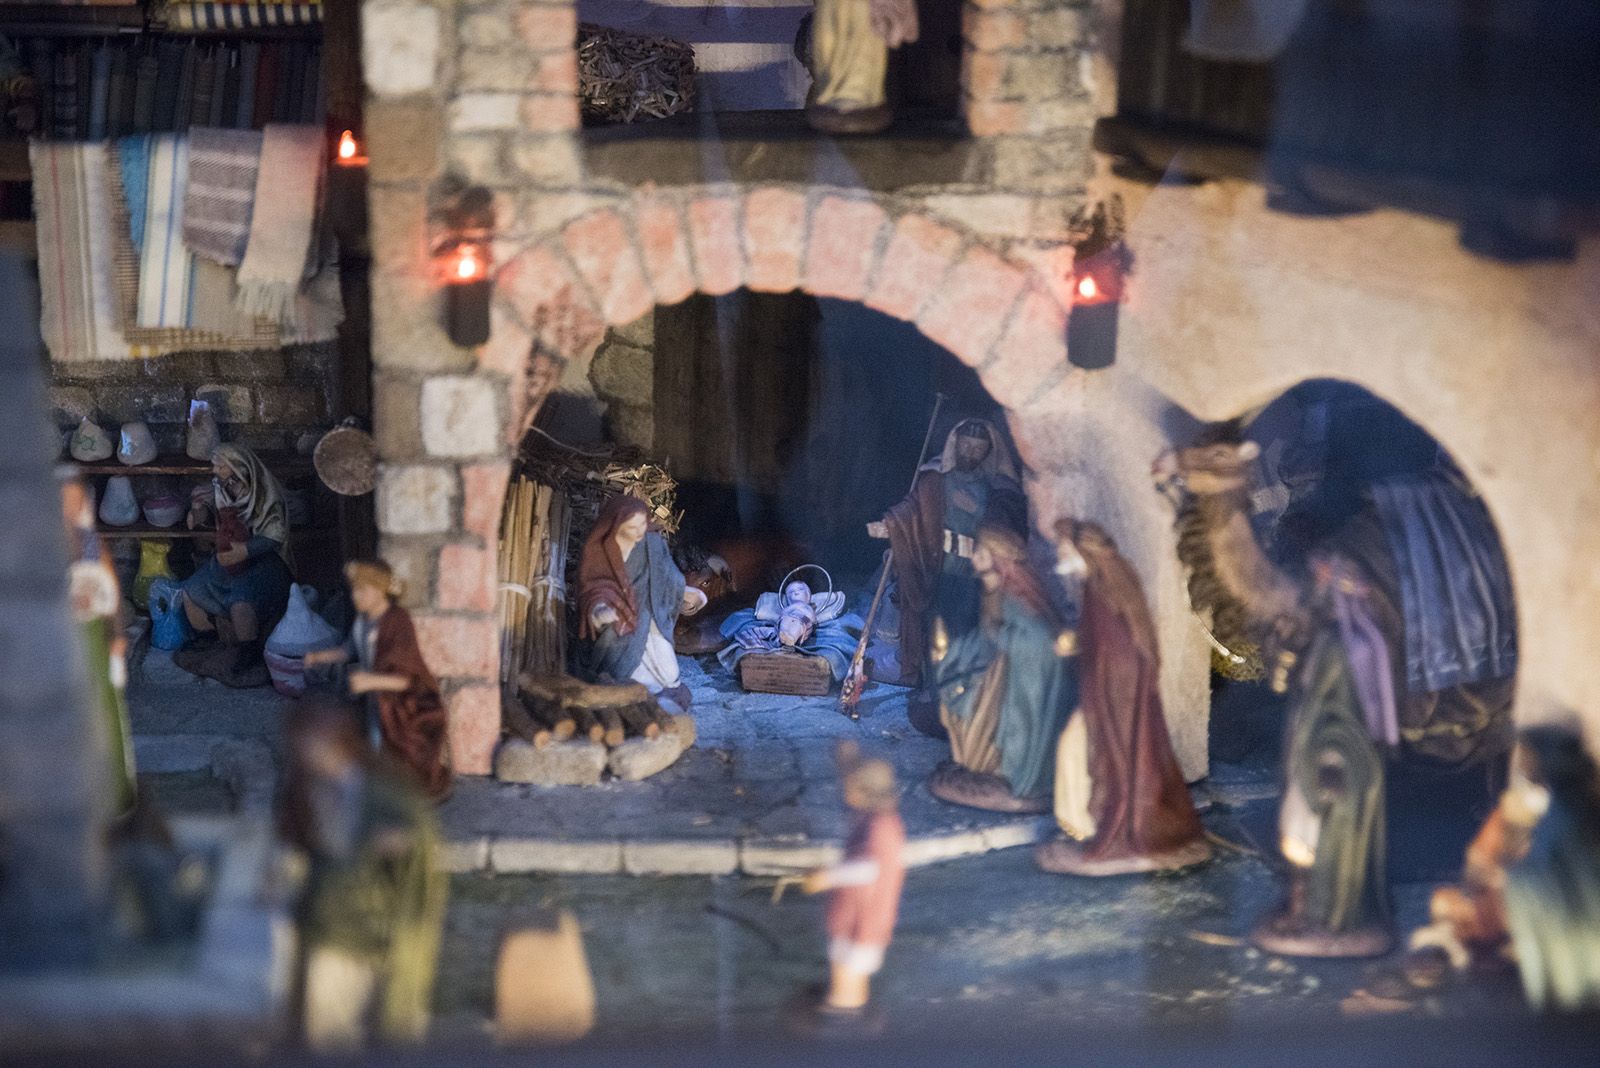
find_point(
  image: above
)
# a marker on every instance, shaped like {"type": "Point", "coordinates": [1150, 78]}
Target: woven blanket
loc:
{"type": "Point", "coordinates": [279, 254]}
{"type": "Point", "coordinates": [73, 210]}
{"type": "Point", "coordinates": [240, 16]}
{"type": "Point", "coordinates": [166, 266]}
{"type": "Point", "coordinates": [222, 186]}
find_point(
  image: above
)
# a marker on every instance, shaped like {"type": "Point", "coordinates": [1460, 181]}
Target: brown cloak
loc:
{"type": "Point", "coordinates": [1140, 803]}
{"type": "Point", "coordinates": [602, 573]}
{"type": "Point", "coordinates": [414, 722]}
{"type": "Point", "coordinates": [916, 538]}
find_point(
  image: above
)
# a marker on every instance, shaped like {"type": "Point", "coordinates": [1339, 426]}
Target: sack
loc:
{"type": "Point", "coordinates": [152, 566]}
{"type": "Point", "coordinates": [118, 508]}
{"type": "Point", "coordinates": [90, 442]}
{"type": "Point", "coordinates": [203, 437]}
{"type": "Point", "coordinates": [299, 632]}
{"type": "Point", "coordinates": [169, 628]}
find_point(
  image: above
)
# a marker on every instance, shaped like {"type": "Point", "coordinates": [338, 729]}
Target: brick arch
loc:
{"type": "Point", "coordinates": [612, 265]}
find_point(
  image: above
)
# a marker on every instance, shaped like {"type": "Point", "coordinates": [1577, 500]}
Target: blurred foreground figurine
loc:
{"type": "Point", "coordinates": [405, 714]}
{"type": "Point", "coordinates": [1120, 797]}
{"type": "Point", "coordinates": [933, 536]}
{"type": "Point", "coordinates": [1553, 891]}
{"type": "Point", "coordinates": [1005, 687]}
{"type": "Point", "coordinates": [863, 894]}
{"type": "Point", "coordinates": [375, 896]}
{"type": "Point", "coordinates": [849, 58]}
{"type": "Point", "coordinates": [96, 605]}
{"type": "Point", "coordinates": [630, 595]}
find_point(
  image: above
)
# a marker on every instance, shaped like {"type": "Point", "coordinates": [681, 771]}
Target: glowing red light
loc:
{"type": "Point", "coordinates": [469, 265]}
{"type": "Point", "coordinates": [1087, 288]}
{"type": "Point", "coordinates": [347, 145]}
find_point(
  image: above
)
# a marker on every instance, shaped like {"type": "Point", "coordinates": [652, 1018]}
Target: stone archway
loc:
{"type": "Point", "coordinates": [610, 266]}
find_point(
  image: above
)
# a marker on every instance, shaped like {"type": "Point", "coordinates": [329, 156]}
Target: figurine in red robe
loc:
{"type": "Point", "coordinates": [1120, 796]}
{"type": "Point", "coordinates": [406, 716]}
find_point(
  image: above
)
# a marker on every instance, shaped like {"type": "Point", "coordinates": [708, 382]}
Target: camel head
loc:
{"type": "Point", "coordinates": [1206, 470]}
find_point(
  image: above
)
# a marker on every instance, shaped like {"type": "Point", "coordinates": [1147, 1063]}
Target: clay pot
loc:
{"type": "Point", "coordinates": [137, 445]}
{"type": "Point", "coordinates": [90, 442]}
{"type": "Point", "coordinates": [118, 506]}
{"type": "Point", "coordinates": [164, 511]}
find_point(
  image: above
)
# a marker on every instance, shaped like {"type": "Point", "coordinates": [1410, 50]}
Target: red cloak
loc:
{"type": "Point", "coordinates": [602, 573]}
{"type": "Point", "coordinates": [413, 721]}
{"type": "Point", "coordinates": [1140, 803]}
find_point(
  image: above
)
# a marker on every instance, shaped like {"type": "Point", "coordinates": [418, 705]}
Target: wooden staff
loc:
{"type": "Point", "coordinates": [855, 680]}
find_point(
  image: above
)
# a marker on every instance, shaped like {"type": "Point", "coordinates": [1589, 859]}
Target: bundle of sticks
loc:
{"type": "Point", "coordinates": [556, 708]}
{"type": "Point", "coordinates": [534, 529]}
{"type": "Point", "coordinates": [622, 76]}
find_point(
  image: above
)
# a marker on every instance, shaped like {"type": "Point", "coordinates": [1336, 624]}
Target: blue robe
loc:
{"type": "Point", "coordinates": [658, 588]}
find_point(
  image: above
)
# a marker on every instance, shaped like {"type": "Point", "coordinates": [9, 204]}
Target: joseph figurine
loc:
{"type": "Point", "coordinates": [849, 57]}
{"type": "Point", "coordinates": [1005, 687]}
{"type": "Point", "coordinates": [933, 534]}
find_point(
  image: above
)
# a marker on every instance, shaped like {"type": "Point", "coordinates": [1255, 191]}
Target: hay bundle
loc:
{"type": "Point", "coordinates": [622, 76]}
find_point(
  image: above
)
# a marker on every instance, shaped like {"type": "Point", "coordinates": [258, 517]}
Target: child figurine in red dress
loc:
{"type": "Point", "coordinates": [864, 887]}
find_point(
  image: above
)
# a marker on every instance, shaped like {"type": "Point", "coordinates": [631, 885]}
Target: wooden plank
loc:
{"type": "Point", "coordinates": [277, 463]}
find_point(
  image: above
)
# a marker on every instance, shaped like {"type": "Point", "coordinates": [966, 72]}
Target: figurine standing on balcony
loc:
{"type": "Point", "coordinates": [848, 59]}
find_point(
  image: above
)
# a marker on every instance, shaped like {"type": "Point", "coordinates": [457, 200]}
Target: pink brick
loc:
{"type": "Point", "coordinates": [967, 313]}
{"type": "Point", "coordinates": [664, 248]}
{"type": "Point", "coordinates": [844, 240]}
{"type": "Point", "coordinates": [466, 578]}
{"type": "Point", "coordinates": [506, 351]}
{"type": "Point", "coordinates": [984, 75]}
{"type": "Point", "coordinates": [918, 256]}
{"type": "Point", "coordinates": [549, 112]}
{"type": "Point", "coordinates": [602, 250]}
{"type": "Point", "coordinates": [550, 302]}
{"type": "Point", "coordinates": [774, 230]}
{"type": "Point", "coordinates": [548, 28]}
{"type": "Point", "coordinates": [995, 118]}
{"type": "Point", "coordinates": [459, 646]}
{"type": "Point", "coordinates": [991, 31]}
{"type": "Point", "coordinates": [714, 235]}
{"type": "Point", "coordinates": [474, 712]}
{"type": "Point", "coordinates": [554, 72]}
{"type": "Point", "coordinates": [1031, 353]}
{"type": "Point", "coordinates": [483, 496]}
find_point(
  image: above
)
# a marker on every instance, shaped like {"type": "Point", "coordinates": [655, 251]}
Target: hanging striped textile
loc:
{"type": "Point", "coordinates": [221, 17]}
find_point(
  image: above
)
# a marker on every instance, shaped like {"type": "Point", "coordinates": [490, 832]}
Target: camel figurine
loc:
{"type": "Point", "coordinates": [1333, 635]}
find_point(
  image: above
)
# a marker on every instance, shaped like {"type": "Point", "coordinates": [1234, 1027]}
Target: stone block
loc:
{"type": "Point", "coordinates": [483, 495]}
{"type": "Point", "coordinates": [515, 855]}
{"type": "Point", "coordinates": [779, 857]}
{"type": "Point", "coordinates": [413, 499]}
{"type": "Point", "coordinates": [774, 236]}
{"type": "Point", "coordinates": [460, 416]}
{"type": "Point", "coordinates": [404, 139]}
{"type": "Point", "coordinates": [479, 157]}
{"type": "Point", "coordinates": [413, 562]}
{"type": "Point", "coordinates": [970, 308]}
{"type": "Point", "coordinates": [553, 72]}
{"type": "Point", "coordinates": [466, 578]}
{"type": "Point", "coordinates": [547, 28]}
{"type": "Point", "coordinates": [485, 30]}
{"type": "Point", "coordinates": [683, 726]}
{"type": "Point", "coordinates": [993, 31]}
{"type": "Point", "coordinates": [230, 402]}
{"type": "Point", "coordinates": [397, 417]}
{"type": "Point", "coordinates": [474, 712]}
{"type": "Point", "coordinates": [464, 854]}
{"type": "Point", "coordinates": [996, 118]}
{"type": "Point", "coordinates": [713, 856]}
{"type": "Point", "coordinates": [549, 112]}
{"type": "Point", "coordinates": [551, 160]}
{"type": "Point", "coordinates": [70, 404]}
{"type": "Point", "coordinates": [601, 248]}
{"type": "Point", "coordinates": [407, 333]}
{"type": "Point", "coordinates": [640, 758]}
{"type": "Point", "coordinates": [400, 46]}
{"type": "Point", "coordinates": [933, 849]}
{"type": "Point", "coordinates": [152, 403]}
{"type": "Point", "coordinates": [459, 646]}
{"type": "Point", "coordinates": [509, 346]}
{"type": "Point", "coordinates": [548, 299]}
{"type": "Point", "coordinates": [558, 764]}
{"type": "Point", "coordinates": [623, 373]}
{"type": "Point", "coordinates": [916, 260]}
{"type": "Point", "coordinates": [996, 214]}
{"type": "Point", "coordinates": [1059, 163]}
{"type": "Point", "coordinates": [664, 248]}
{"type": "Point", "coordinates": [983, 75]}
{"type": "Point", "coordinates": [714, 238]}
{"type": "Point", "coordinates": [475, 112]}
{"type": "Point", "coordinates": [290, 406]}
{"type": "Point", "coordinates": [1031, 353]}
{"type": "Point", "coordinates": [1058, 26]}
{"type": "Point", "coordinates": [843, 246]}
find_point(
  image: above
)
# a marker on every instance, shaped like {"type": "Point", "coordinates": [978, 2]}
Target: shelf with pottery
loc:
{"type": "Point", "coordinates": [282, 464]}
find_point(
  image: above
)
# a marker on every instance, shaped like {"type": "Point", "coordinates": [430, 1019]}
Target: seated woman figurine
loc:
{"type": "Point", "coordinates": [797, 619]}
{"type": "Point", "coordinates": [247, 579]}
{"type": "Point", "coordinates": [406, 717]}
{"type": "Point", "coordinates": [630, 595]}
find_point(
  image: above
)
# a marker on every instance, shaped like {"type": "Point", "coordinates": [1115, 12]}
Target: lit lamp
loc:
{"type": "Point", "coordinates": [349, 153]}
{"type": "Point", "coordinates": [463, 261]}
{"type": "Point", "coordinates": [1099, 273]}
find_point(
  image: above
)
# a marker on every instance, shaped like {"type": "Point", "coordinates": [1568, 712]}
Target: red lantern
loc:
{"type": "Point", "coordinates": [349, 153]}
{"type": "Point", "coordinates": [1097, 286]}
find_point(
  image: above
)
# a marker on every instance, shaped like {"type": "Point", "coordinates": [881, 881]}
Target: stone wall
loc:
{"type": "Point", "coordinates": [969, 249]}
{"type": "Point", "coordinates": [265, 400]}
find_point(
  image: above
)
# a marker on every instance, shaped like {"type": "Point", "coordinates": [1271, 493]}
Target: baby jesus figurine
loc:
{"type": "Point", "coordinates": [799, 620]}
{"type": "Point", "coordinates": [863, 889]}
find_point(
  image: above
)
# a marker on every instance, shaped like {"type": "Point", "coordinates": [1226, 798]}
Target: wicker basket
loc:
{"type": "Point", "coordinates": [796, 674]}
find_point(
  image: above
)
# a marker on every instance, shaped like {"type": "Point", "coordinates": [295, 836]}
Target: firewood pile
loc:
{"type": "Point", "coordinates": [556, 708]}
{"type": "Point", "coordinates": [625, 76]}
